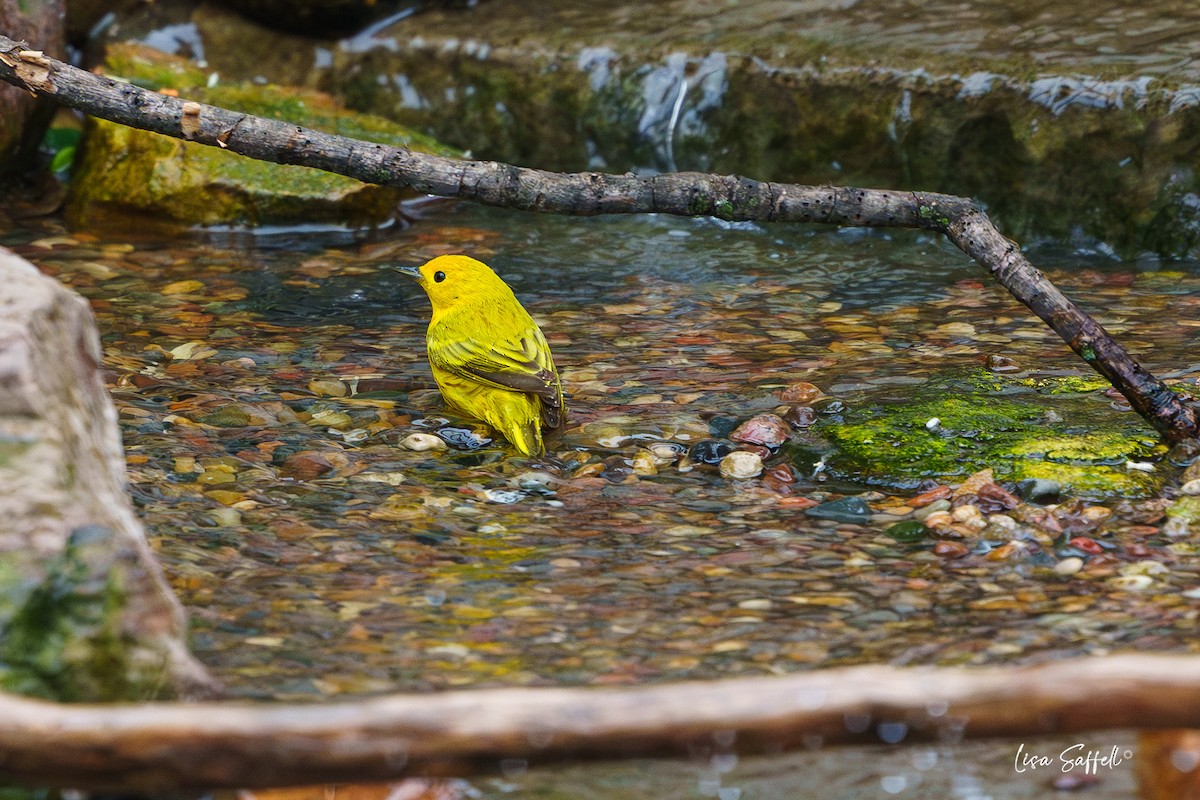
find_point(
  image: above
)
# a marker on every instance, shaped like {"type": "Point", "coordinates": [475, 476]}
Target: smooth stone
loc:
{"type": "Point", "coordinates": [741, 465]}
{"type": "Point", "coordinates": [846, 509]}
{"type": "Point", "coordinates": [1038, 490]}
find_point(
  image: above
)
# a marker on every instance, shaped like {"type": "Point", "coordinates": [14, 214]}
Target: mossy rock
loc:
{"type": "Point", "coordinates": [1025, 428]}
{"type": "Point", "coordinates": [125, 174]}
{"type": "Point", "coordinates": [63, 636]}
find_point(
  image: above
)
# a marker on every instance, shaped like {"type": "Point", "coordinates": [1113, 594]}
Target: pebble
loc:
{"type": "Point", "coordinates": [950, 549]}
{"type": "Point", "coordinates": [644, 463]}
{"type": "Point", "coordinates": [503, 496]}
{"type": "Point", "coordinates": [938, 519]}
{"type": "Point", "coordinates": [1039, 490]}
{"type": "Point", "coordinates": [968, 514]}
{"type": "Point", "coordinates": [996, 498]}
{"type": "Point", "coordinates": [933, 495]}
{"type": "Point", "coordinates": [1069, 566]}
{"type": "Point", "coordinates": [938, 505]}
{"type": "Point", "coordinates": [709, 451]}
{"type": "Point", "coordinates": [666, 452]}
{"type": "Point", "coordinates": [420, 442]}
{"type": "Point", "coordinates": [741, 464]}
{"type": "Point", "coordinates": [907, 531]}
{"type": "Point", "coordinates": [767, 430]}
{"type": "Point", "coordinates": [801, 392]}
{"type": "Point", "coordinates": [1192, 487]}
{"type": "Point", "coordinates": [1132, 583]}
{"type": "Point", "coordinates": [848, 509]}
{"type": "Point", "coordinates": [800, 417]}
{"type": "Point", "coordinates": [461, 438]}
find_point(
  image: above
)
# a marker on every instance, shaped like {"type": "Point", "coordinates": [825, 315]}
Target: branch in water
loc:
{"type": "Point", "coordinates": [589, 193]}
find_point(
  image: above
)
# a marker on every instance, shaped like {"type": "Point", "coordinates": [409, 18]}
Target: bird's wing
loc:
{"type": "Point", "coordinates": [521, 364]}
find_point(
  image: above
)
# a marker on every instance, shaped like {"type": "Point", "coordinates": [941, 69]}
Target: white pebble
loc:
{"type": "Point", "coordinates": [1069, 566]}
{"type": "Point", "coordinates": [421, 442]}
{"type": "Point", "coordinates": [741, 464]}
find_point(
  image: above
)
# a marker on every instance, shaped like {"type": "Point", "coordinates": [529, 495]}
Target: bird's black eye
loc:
{"type": "Point", "coordinates": [439, 276]}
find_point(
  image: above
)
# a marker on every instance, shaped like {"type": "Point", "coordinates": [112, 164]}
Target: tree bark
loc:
{"type": "Point", "coordinates": [157, 747]}
{"type": "Point", "coordinates": [685, 194]}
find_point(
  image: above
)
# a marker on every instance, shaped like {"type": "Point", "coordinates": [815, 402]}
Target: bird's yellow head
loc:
{"type": "Point", "coordinates": [452, 280]}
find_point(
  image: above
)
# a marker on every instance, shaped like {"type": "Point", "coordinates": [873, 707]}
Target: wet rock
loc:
{"type": "Point", "coordinates": [666, 453]}
{"type": "Point", "coordinates": [306, 465]}
{"type": "Point", "coordinates": [463, 438]}
{"type": "Point", "coordinates": [950, 549]}
{"type": "Point", "coordinates": [767, 430]}
{"type": "Point", "coordinates": [800, 417]}
{"type": "Point", "coordinates": [802, 393]}
{"type": "Point", "coordinates": [936, 506]}
{"type": "Point", "coordinates": [907, 531]}
{"type": "Point", "coordinates": [126, 174]}
{"type": "Point", "coordinates": [829, 406]}
{"type": "Point", "coordinates": [617, 469]}
{"type": "Point", "coordinates": [992, 497]}
{"type": "Point", "coordinates": [644, 463]}
{"type": "Point", "coordinates": [721, 425]}
{"type": "Point", "coordinates": [925, 498]}
{"type": "Point", "coordinates": [1185, 453]}
{"type": "Point", "coordinates": [847, 509]}
{"type": "Point", "coordinates": [421, 442]}
{"type": "Point", "coordinates": [998, 363]}
{"type": "Point", "coordinates": [709, 451]}
{"type": "Point", "coordinates": [741, 465]}
{"type": "Point", "coordinates": [1069, 566]}
{"type": "Point", "coordinates": [1039, 490]}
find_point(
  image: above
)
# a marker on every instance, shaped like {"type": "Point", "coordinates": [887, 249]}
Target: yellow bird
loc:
{"type": "Point", "coordinates": [488, 356]}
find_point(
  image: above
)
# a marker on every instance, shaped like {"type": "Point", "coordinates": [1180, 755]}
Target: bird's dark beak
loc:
{"type": "Point", "coordinates": [411, 272]}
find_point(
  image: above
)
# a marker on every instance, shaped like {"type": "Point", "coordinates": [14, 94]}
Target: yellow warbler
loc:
{"type": "Point", "coordinates": [488, 356]}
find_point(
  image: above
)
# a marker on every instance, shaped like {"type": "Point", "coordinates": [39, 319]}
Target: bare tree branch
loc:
{"type": "Point", "coordinates": [176, 746]}
{"type": "Point", "coordinates": [588, 193]}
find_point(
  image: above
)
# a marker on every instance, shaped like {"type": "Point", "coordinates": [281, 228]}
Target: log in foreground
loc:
{"type": "Point", "coordinates": [177, 746]}
{"type": "Point", "coordinates": [590, 193]}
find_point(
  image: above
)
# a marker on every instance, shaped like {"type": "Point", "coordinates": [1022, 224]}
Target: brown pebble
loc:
{"type": "Point", "coordinates": [797, 502]}
{"type": "Point", "coordinates": [306, 465]}
{"type": "Point", "coordinates": [995, 498]}
{"type": "Point", "coordinates": [800, 417]}
{"type": "Point", "coordinates": [767, 430]}
{"type": "Point", "coordinates": [997, 363]}
{"type": "Point", "coordinates": [784, 473]}
{"type": "Point", "coordinates": [801, 392]}
{"type": "Point", "coordinates": [925, 498]}
{"type": "Point", "coordinates": [950, 549]}
{"type": "Point", "coordinates": [758, 450]}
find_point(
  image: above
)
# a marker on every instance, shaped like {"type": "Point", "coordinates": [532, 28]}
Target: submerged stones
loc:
{"type": "Point", "coordinates": [768, 430]}
{"type": "Point", "coordinates": [741, 464]}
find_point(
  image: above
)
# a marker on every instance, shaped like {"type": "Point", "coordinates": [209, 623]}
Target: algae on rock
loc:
{"type": "Point", "coordinates": [1035, 429]}
{"type": "Point", "coordinates": [123, 172]}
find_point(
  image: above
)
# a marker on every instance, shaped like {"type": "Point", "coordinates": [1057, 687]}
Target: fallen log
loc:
{"type": "Point", "coordinates": [158, 747]}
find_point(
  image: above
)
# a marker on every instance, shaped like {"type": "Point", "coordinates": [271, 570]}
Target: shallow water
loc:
{"type": "Point", "coordinates": [317, 558]}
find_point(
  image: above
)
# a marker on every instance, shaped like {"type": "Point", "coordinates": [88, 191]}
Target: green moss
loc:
{"type": "Point", "coordinates": [127, 173]}
{"type": "Point", "coordinates": [64, 639]}
{"type": "Point", "coordinates": [1083, 445]}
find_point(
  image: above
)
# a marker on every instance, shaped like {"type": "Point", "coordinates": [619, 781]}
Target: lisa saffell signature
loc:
{"type": "Point", "coordinates": [1071, 758]}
